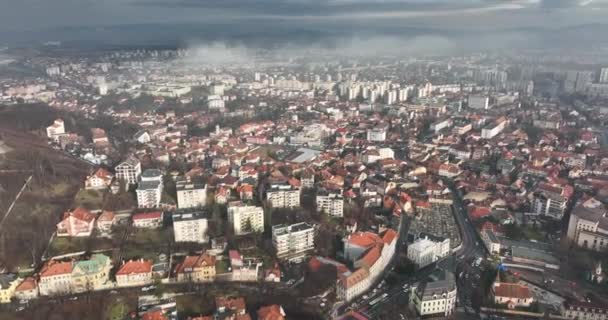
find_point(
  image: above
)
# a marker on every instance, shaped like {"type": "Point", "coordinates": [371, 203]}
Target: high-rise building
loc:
{"type": "Point", "coordinates": [603, 75]}
{"type": "Point", "coordinates": [293, 242]}
{"type": "Point", "coordinates": [150, 189]}
{"type": "Point", "coordinates": [190, 226]}
{"type": "Point", "coordinates": [283, 196]}
{"type": "Point", "coordinates": [245, 219]}
{"type": "Point", "coordinates": [191, 195]}
{"type": "Point", "coordinates": [331, 203]}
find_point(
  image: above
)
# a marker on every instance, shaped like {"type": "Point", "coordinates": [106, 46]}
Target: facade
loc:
{"type": "Point", "coordinates": [490, 241]}
{"type": "Point", "coordinates": [191, 195]}
{"type": "Point", "coordinates": [494, 128]}
{"type": "Point", "coordinates": [134, 273]}
{"type": "Point", "coordinates": [196, 269]}
{"type": "Point", "coordinates": [584, 311]}
{"type": "Point", "coordinates": [27, 289]}
{"type": "Point", "coordinates": [8, 284]}
{"type": "Point", "coordinates": [377, 134]}
{"type": "Point", "coordinates": [331, 203]}
{"type": "Point", "coordinates": [91, 274]}
{"type": "Point", "coordinates": [588, 226]}
{"type": "Point", "coordinates": [55, 278]}
{"type": "Point", "coordinates": [150, 189]}
{"type": "Point", "coordinates": [551, 201]}
{"type": "Point", "coordinates": [370, 254]}
{"type": "Point", "coordinates": [512, 294]}
{"type": "Point", "coordinates": [245, 219]}
{"type": "Point", "coordinates": [79, 222]}
{"type": "Point", "coordinates": [436, 298]}
{"type": "Point", "coordinates": [283, 196]}
{"type": "Point", "coordinates": [148, 220]}
{"type": "Point", "coordinates": [425, 251]}
{"type": "Point", "coordinates": [129, 171]}
{"type": "Point", "coordinates": [190, 227]}
{"type": "Point", "coordinates": [293, 242]}
{"type": "Point", "coordinates": [56, 130]}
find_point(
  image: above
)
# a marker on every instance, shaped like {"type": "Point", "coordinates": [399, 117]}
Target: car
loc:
{"type": "Point", "coordinates": [21, 308]}
{"type": "Point", "coordinates": [74, 298]}
{"type": "Point", "coordinates": [113, 292]}
{"type": "Point", "coordinates": [322, 305]}
{"type": "Point", "coordinates": [365, 297]}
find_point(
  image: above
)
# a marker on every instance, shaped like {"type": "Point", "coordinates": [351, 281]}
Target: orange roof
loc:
{"type": "Point", "coordinates": [364, 239]}
{"type": "Point", "coordinates": [512, 290]}
{"type": "Point", "coordinates": [154, 315]}
{"type": "Point", "coordinates": [54, 267]}
{"type": "Point", "coordinates": [103, 173]}
{"type": "Point", "coordinates": [106, 216]}
{"type": "Point", "coordinates": [80, 214]}
{"type": "Point", "coordinates": [371, 256]}
{"type": "Point", "coordinates": [231, 303]}
{"type": "Point", "coordinates": [135, 266]}
{"type": "Point", "coordinates": [147, 215]}
{"type": "Point", "coordinates": [272, 312]}
{"type": "Point", "coordinates": [195, 262]}
{"type": "Point", "coordinates": [388, 236]}
{"type": "Point", "coordinates": [350, 279]}
{"type": "Point", "coordinates": [28, 284]}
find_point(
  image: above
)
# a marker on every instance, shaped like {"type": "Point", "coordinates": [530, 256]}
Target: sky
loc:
{"type": "Point", "coordinates": [297, 22]}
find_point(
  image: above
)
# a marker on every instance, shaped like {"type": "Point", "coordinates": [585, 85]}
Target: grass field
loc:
{"type": "Point", "coordinates": [89, 199]}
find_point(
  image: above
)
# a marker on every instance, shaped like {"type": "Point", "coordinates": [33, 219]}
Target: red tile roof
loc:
{"type": "Point", "coordinates": [135, 266]}
{"type": "Point", "coordinates": [147, 215]}
{"type": "Point", "coordinates": [272, 312]}
{"type": "Point", "coordinates": [54, 267]}
{"type": "Point", "coordinates": [512, 290]}
{"type": "Point", "coordinates": [80, 214]}
{"type": "Point", "coordinates": [194, 262]}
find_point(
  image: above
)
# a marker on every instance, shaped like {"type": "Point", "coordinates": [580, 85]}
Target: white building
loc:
{"type": "Point", "coordinates": [490, 241]}
{"type": "Point", "coordinates": [494, 128]}
{"type": "Point", "coordinates": [129, 171]}
{"type": "Point", "coordinates": [245, 219]}
{"type": "Point", "coordinates": [190, 227]}
{"type": "Point", "coordinates": [588, 226]}
{"type": "Point", "coordinates": [55, 130]}
{"type": "Point", "coordinates": [479, 102]}
{"type": "Point", "coordinates": [425, 251]}
{"type": "Point", "coordinates": [436, 298]}
{"type": "Point", "coordinates": [293, 242]}
{"type": "Point", "coordinates": [331, 203]}
{"type": "Point", "coordinates": [191, 195]}
{"type": "Point", "coordinates": [283, 196]}
{"type": "Point", "coordinates": [149, 194]}
{"type": "Point", "coordinates": [377, 134]}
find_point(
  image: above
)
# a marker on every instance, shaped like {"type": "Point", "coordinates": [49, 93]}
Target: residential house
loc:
{"type": "Point", "coordinates": [99, 180]}
{"type": "Point", "coordinates": [196, 268]}
{"type": "Point", "coordinates": [105, 222]}
{"type": "Point", "coordinates": [148, 220]}
{"type": "Point", "coordinates": [55, 278]}
{"type": "Point", "coordinates": [512, 294]}
{"type": "Point", "coordinates": [231, 308]}
{"type": "Point", "coordinates": [91, 274]}
{"type": "Point", "coordinates": [8, 284]}
{"type": "Point", "coordinates": [76, 223]}
{"type": "Point", "coordinates": [271, 312]}
{"type": "Point", "coordinates": [27, 289]}
{"type": "Point", "coordinates": [134, 273]}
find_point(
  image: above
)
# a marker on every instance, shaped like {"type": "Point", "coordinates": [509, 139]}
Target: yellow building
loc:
{"type": "Point", "coordinates": [91, 274]}
{"type": "Point", "coordinates": [197, 268]}
{"type": "Point", "coordinates": [8, 283]}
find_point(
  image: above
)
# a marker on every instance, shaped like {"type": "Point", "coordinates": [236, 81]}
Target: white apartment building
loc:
{"type": "Point", "coordinates": [331, 203]}
{"type": "Point", "coordinates": [494, 128]}
{"type": "Point", "coordinates": [150, 189]}
{"type": "Point", "coordinates": [588, 226]}
{"type": "Point", "coordinates": [283, 196]}
{"type": "Point", "coordinates": [293, 242]}
{"type": "Point", "coordinates": [129, 171]}
{"type": "Point", "coordinates": [55, 130]}
{"type": "Point", "coordinates": [377, 134]}
{"type": "Point", "coordinates": [436, 298]}
{"type": "Point", "coordinates": [191, 195]}
{"type": "Point", "coordinates": [425, 251]}
{"type": "Point", "coordinates": [190, 227]}
{"type": "Point", "coordinates": [245, 219]}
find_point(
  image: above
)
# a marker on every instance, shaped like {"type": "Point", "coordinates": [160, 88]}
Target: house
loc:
{"type": "Point", "coordinates": [77, 223]}
{"type": "Point", "coordinates": [148, 220]}
{"type": "Point", "coordinates": [129, 171]}
{"type": "Point", "coordinates": [27, 289]}
{"type": "Point", "coordinates": [243, 270]}
{"type": "Point", "coordinates": [105, 222]}
{"type": "Point", "coordinates": [91, 274]}
{"type": "Point", "coordinates": [272, 312]}
{"type": "Point", "coordinates": [99, 180]}
{"type": "Point", "coordinates": [512, 294]}
{"type": "Point", "coordinates": [273, 274]}
{"type": "Point", "coordinates": [8, 284]}
{"type": "Point", "coordinates": [55, 278]}
{"type": "Point", "coordinates": [56, 130]}
{"type": "Point", "coordinates": [134, 273]}
{"type": "Point", "coordinates": [231, 308]}
{"type": "Point", "coordinates": [196, 268]}
{"type": "Point", "coordinates": [142, 136]}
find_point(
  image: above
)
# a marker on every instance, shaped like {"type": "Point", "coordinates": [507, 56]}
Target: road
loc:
{"type": "Point", "coordinates": [10, 208]}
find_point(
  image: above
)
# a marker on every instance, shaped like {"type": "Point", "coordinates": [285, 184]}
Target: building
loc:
{"type": "Point", "coordinates": [191, 195]}
{"type": "Point", "coordinates": [8, 284]}
{"type": "Point", "coordinates": [436, 298]}
{"type": "Point", "coordinates": [105, 222]}
{"type": "Point", "coordinates": [479, 102]}
{"type": "Point", "coordinates": [283, 196]}
{"type": "Point", "coordinates": [196, 268]}
{"type": "Point", "coordinates": [370, 254]}
{"type": "Point", "coordinates": [27, 289]}
{"type": "Point", "coordinates": [150, 189]}
{"type": "Point", "coordinates": [377, 134]}
{"type": "Point", "coordinates": [425, 251]}
{"type": "Point", "coordinates": [603, 75]}
{"type": "Point", "coordinates": [55, 278]}
{"type": "Point", "coordinates": [190, 227]}
{"type": "Point", "coordinates": [99, 180]}
{"type": "Point", "coordinates": [245, 219]}
{"type": "Point", "coordinates": [231, 308]}
{"type": "Point", "coordinates": [581, 310]}
{"type": "Point", "coordinates": [293, 242]}
{"type": "Point", "coordinates": [244, 269]}
{"type": "Point", "coordinates": [307, 179]}
{"type": "Point", "coordinates": [56, 130]}
{"type": "Point", "coordinates": [490, 241]}
{"type": "Point", "coordinates": [551, 200]}
{"type": "Point", "coordinates": [588, 226]}
{"type": "Point", "coordinates": [533, 257]}
{"type": "Point", "coordinates": [148, 220]}
{"type": "Point", "coordinates": [129, 171]}
{"type": "Point", "coordinates": [494, 128]}
{"type": "Point", "coordinates": [79, 222]}
{"type": "Point", "coordinates": [512, 294]}
{"type": "Point", "coordinates": [331, 203]}
{"type": "Point", "coordinates": [91, 274]}
{"type": "Point", "coordinates": [271, 312]}
{"type": "Point", "coordinates": [134, 273]}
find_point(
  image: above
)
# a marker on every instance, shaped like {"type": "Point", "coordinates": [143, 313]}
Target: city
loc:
{"type": "Point", "coordinates": [216, 182]}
